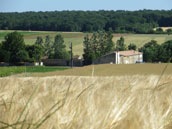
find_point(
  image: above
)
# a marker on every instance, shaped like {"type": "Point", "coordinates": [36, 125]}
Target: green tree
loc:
{"type": "Point", "coordinates": [4, 55]}
{"type": "Point", "coordinates": [150, 51]}
{"type": "Point", "coordinates": [22, 56]}
{"type": "Point", "coordinates": [162, 54]}
{"type": "Point", "coordinates": [109, 42]}
{"type": "Point", "coordinates": [141, 21]}
{"type": "Point", "coordinates": [169, 31]}
{"type": "Point", "coordinates": [120, 45]}
{"type": "Point", "coordinates": [59, 48]}
{"type": "Point", "coordinates": [132, 46]}
{"type": "Point", "coordinates": [106, 43]}
{"type": "Point", "coordinates": [14, 44]}
{"type": "Point", "coordinates": [97, 45]}
{"type": "Point", "coordinates": [102, 43]}
{"type": "Point", "coordinates": [39, 41]}
{"type": "Point", "coordinates": [88, 52]}
{"type": "Point", "coordinates": [35, 52]}
{"type": "Point", "coordinates": [165, 52]}
{"type": "Point", "coordinates": [47, 46]}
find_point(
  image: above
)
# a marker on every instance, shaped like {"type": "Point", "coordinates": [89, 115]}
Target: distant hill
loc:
{"type": "Point", "coordinates": [142, 21]}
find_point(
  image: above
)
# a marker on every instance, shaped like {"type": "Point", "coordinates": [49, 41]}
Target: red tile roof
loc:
{"type": "Point", "coordinates": [129, 53]}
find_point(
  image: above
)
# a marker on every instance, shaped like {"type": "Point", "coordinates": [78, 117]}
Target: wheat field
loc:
{"type": "Point", "coordinates": [83, 102]}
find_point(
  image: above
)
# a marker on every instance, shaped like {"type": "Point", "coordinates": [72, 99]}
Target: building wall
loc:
{"type": "Point", "coordinates": [107, 59]}
{"type": "Point", "coordinates": [54, 62]}
{"type": "Point", "coordinates": [76, 62]}
{"type": "Point", "coordinates": [116, 58]}
{"type": "Point", "coordinates": [131, 59]}
{"type": "Point", "coordinates": [62, 62]}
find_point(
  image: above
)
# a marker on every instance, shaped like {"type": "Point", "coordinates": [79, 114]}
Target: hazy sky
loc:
{"type": "Point", "coordinates": [52, 5]}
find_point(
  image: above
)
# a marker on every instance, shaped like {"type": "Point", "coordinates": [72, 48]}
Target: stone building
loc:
{"type": "Point", "coordinates": [62, 62]}
{"type": "Point", "coordinates": [120, 57]}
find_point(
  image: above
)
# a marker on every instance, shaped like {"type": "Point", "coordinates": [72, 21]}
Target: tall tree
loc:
{"type": "Point", "coordinates": [106, 43]}
{"type": "Point", "coordinates": [97, 45]}
{"type": "Point", "coordinates": [150, 51]}
{"type": "Point", "coordinates": [132, 46]}
{"type": "Point", "coordinates": [120, 45]}
{"type": "Point", "coordinates": [47, 46]}
{"type": "Point", "coordinates": [88, 52]}
{"type": "Point", "coordinates": [35, 52]}
{"type": "Point", "coordinates": [59, 48]}
{"type": "Point", "coordinates": [14, 44]}
{"type": "Point", "coordinates": [4, 55]}
{"type": "Point", "coordinates": [39, 41]}
{"type": "Point", "coordinates": [109, 42]}
{"type": "Point", "coordinates": [166, 51]}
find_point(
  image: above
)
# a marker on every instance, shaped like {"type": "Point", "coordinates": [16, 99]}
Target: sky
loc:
{"type": "Point", "coordinates": [59, 5]}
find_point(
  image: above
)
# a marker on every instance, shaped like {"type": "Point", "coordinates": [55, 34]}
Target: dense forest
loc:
{"type": "Point", "coordinates": [142, 21]}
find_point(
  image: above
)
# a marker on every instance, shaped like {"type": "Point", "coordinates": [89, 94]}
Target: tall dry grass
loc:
{"type": "Point", "coordinates": [121, 102]}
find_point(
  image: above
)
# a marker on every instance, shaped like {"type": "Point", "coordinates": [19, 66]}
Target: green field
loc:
{"type": "Point", "coordinates": [77, 38]}
{"type": "Point", "coordinates": [6, 71]}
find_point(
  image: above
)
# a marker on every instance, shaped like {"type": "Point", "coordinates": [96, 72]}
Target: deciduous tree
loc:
{"type": "Point", "coordinates": [120, 45]}
{"type": "Point", "coordinates": [99, 44]}
{"type": "Point", "coordinates": [47, 46]}
{"type": "Point", "coordinates": [132, 46]}
{"type": "Point", "coordinates": [59, 48]}
{"type": "Point", "coordinates": [35, 52]}
{"type": "Point", "coordinates": [14, 44]}
{"type": "Point", "coordinates": [39, 41]}
{"type": "Point", "coordinates": [150, 51]}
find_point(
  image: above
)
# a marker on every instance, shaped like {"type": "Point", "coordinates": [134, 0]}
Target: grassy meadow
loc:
{"type": "Point", "coordinates": [6, 71]}
{"type": "Point", "coordinates": [77, 38]}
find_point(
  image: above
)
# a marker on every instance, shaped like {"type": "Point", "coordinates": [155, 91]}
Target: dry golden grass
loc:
{"type": "Point", "coordinates": [112, 70]}
{"type": "Point", "coordinates": [75, 102]}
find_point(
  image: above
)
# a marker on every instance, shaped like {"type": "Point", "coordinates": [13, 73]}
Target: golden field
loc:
{"type": "Point", "coordinates": [92, 97]}
{"type": "Point", "coordinates": [78, 102]}
{"type": "Point", "coordinates": [112, 70]}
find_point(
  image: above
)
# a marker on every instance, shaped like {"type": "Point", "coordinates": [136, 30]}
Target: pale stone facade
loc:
{"type": "Point", "coordinates": [120, 57]}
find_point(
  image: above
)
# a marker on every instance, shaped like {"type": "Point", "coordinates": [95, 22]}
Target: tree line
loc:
{"type": "Point", "coordinates": [14, 50]}
{"type": "Point", "coordinates": [142, 21]}
{"type": "Point", "coordinates": [154, 52]}
{"type": "Point", "coordinates": [101, 43]}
